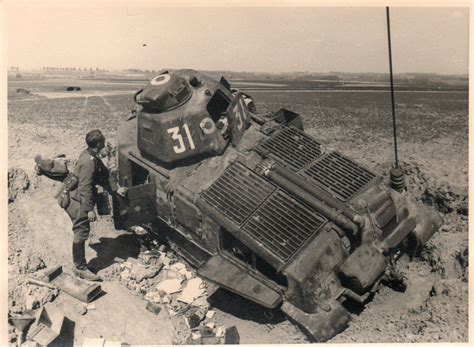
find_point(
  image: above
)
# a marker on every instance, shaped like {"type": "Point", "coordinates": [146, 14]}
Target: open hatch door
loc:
{"type": "Point", "coordinates": [137, 207]}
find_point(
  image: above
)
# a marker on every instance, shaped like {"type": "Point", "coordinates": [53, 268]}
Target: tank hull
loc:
{"type": "Point", "coordinates": [294, 226]}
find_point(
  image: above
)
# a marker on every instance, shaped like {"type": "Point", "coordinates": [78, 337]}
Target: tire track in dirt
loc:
{"type": "Point", "coordinates": [111, 108]}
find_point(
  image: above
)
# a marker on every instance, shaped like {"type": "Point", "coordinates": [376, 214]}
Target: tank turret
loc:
{"type": "Point", "coordinates": [187, 116]}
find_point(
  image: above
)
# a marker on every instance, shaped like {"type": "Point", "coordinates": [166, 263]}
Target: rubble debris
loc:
{"type": "Point", "coordinates": [164, 259]}
{"type": "Point", "coordinates": [140, 272]}
{"type": "Point", "coordinates": [192, 291]}
{"type": "Point", "coordinates": [31, 302]}
{"type": "Point", "coordinates": [170, 286]}
{"type": "Point", "coordinates": [220, 331]}
{"type": "Point", "coordinates": [210, 314]}
{"type": "Point", "coordinates": [42, 295]}
{"type": "Point", "coordinates": [21, 324]}
{"type": "Point", "coordinates": [153, 308]}
{"type": "Point", "coordinates": [18, 182]}
{"type": "Point", "coordinates": [11, 333]}
{"type": "Point", "coordinates": [193, 321]}
{"type": "Point", "coordinates": [201, 303]}
{"type": "Point", "coordinates": [80, 308]}
{"type": "Point", "coordinates": [47, 326]}
{"type": "Point", "coordinates": [31, 264]}
{"type": "Point", "coordinates": [181, 332]}
{"type": "Point", "coordinates": [211, 325]}
{"type": "Point", "coordinates": [178, 266]}
{"type": "Point", "coordinates": [232, 336]}
{"type": "Point", "coordinates": [172, 274]}
{"type": "Point", "coordinates": [462, 263]}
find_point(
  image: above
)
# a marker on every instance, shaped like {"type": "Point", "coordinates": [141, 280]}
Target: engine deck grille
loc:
{"type": "Point", "coordinates": [237, 193]}
{"type": "Point", "coordinates": [291, 147]}
{"type": "Point", "coordinates": [283, 225]}
{"type": "Point", "coordinates": [339, 175]}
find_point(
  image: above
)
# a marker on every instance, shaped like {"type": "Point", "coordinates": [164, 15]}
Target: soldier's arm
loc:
{"type": "Point", "coordinates": [86, 184]}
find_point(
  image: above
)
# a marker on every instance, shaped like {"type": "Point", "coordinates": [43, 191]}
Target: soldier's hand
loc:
{"type": "Point", "coordinates": [122, 191]}
{"type": "Point", "coordinates": [91, 215]}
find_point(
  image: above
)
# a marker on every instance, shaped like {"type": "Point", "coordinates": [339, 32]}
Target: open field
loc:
{"type": "Point", "coordinates": [433, 147]}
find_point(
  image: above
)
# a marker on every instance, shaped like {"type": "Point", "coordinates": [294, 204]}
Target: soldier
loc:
{"type": "Point", "coordinates": [90, 171]}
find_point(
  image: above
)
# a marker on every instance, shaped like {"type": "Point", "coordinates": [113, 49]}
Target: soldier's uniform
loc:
{"type": "Point", "coordinates": [90, 172]}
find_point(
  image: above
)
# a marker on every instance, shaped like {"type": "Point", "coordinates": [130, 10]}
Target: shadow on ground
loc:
{"type": "Point", "coordinates": [123, 246]}
{"type": "Point", "coordinates": [244, 309]}
{"type": "Point", "coordinates": [66, 337]}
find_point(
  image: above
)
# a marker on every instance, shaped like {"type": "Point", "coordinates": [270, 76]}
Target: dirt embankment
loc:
{"type": "Point", "coordinates": [434, 307]}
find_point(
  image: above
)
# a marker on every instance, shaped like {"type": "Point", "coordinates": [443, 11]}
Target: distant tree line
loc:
{"type": "Point", "coordinates": [54, 68]}
{"type": "Point", "coordinates": [139, 71]}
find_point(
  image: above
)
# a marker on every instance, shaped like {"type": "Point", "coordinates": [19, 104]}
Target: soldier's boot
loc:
{"type": "Point", "coordinates": [79, 258]}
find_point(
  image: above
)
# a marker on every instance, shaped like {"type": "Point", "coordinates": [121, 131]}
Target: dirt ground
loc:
{"type": "Point", "coordinates": [434, 308]}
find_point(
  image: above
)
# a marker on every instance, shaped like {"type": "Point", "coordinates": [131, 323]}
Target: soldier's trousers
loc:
{"type": "Point", "coordinates": [81, 228]}
{"type": "Point", "coordinates": [80, 222]}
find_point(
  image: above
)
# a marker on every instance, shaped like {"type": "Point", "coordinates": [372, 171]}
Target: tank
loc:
{"type": "Point", "coordinates": [258, 206]}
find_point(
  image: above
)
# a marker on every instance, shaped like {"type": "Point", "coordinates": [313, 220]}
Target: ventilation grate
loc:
{"type": "Point", "coordinates": [237, 193]}
{"type": "Point", "coordinates": [282, 225]}
{"type": "Point", "coordinates": [291, 147]}
{"type": "Point", "coordinates": [339, 175]}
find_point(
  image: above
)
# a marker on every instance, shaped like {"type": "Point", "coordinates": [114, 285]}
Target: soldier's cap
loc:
{"type": "Point", "coordinates": [94, 137]}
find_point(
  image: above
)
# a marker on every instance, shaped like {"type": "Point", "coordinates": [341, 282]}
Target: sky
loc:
{"type": "Point", "coordinates": [314, 39]}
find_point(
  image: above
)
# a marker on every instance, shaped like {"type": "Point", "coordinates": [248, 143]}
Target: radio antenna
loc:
{"type": "Point", "coordinates": [396, 173]}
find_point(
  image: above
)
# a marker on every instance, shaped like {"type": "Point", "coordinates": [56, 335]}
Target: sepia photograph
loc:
{"type": "Point", "coordinates": [203, 173]}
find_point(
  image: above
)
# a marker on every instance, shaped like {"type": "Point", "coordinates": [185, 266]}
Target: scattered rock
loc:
{"type": "Point", "coordinates": [11, 333]}
{"type": "Point", "coordinates": [210, 314]}
{"type": "Point", "coordinates": [181, 333]}
{"type": "Point", "coordinates": [170, 286]}
{"type": "Point", "coordinates": [192, 291]}
{"type": "Point", "coordinates": [193, 321]}
{"type": "Point", "coordinates": [206, 332]}
{"type": "Point", "coordinates": [152, 307]}
{"type": "Point", "coordinates": [201, 303]}
{"type": "Point", "coordinates": [220, 331]}
{"type": "Point", "coordinates": [80, 308]}
{"type": "Point", "coordinates": [18, 182]}
{"type": "Point", "coordinates": [462, 262]}
{"type": "Point", "coordinates": [32, 263]}
{"type": "Point", "coordinates": [211, 325]}
{"type": "Point", "coordinates": [232, 336]}
{"type": "Point", "coordinates": [139, 272]}
{"type": "Point", "coordinates": [31, 302]}
{"type": "Point", "coordinates": [164, 259]}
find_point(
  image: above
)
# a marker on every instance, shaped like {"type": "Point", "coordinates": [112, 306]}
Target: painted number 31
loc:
{"type": "Point", "coordinates": [175, 135]}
